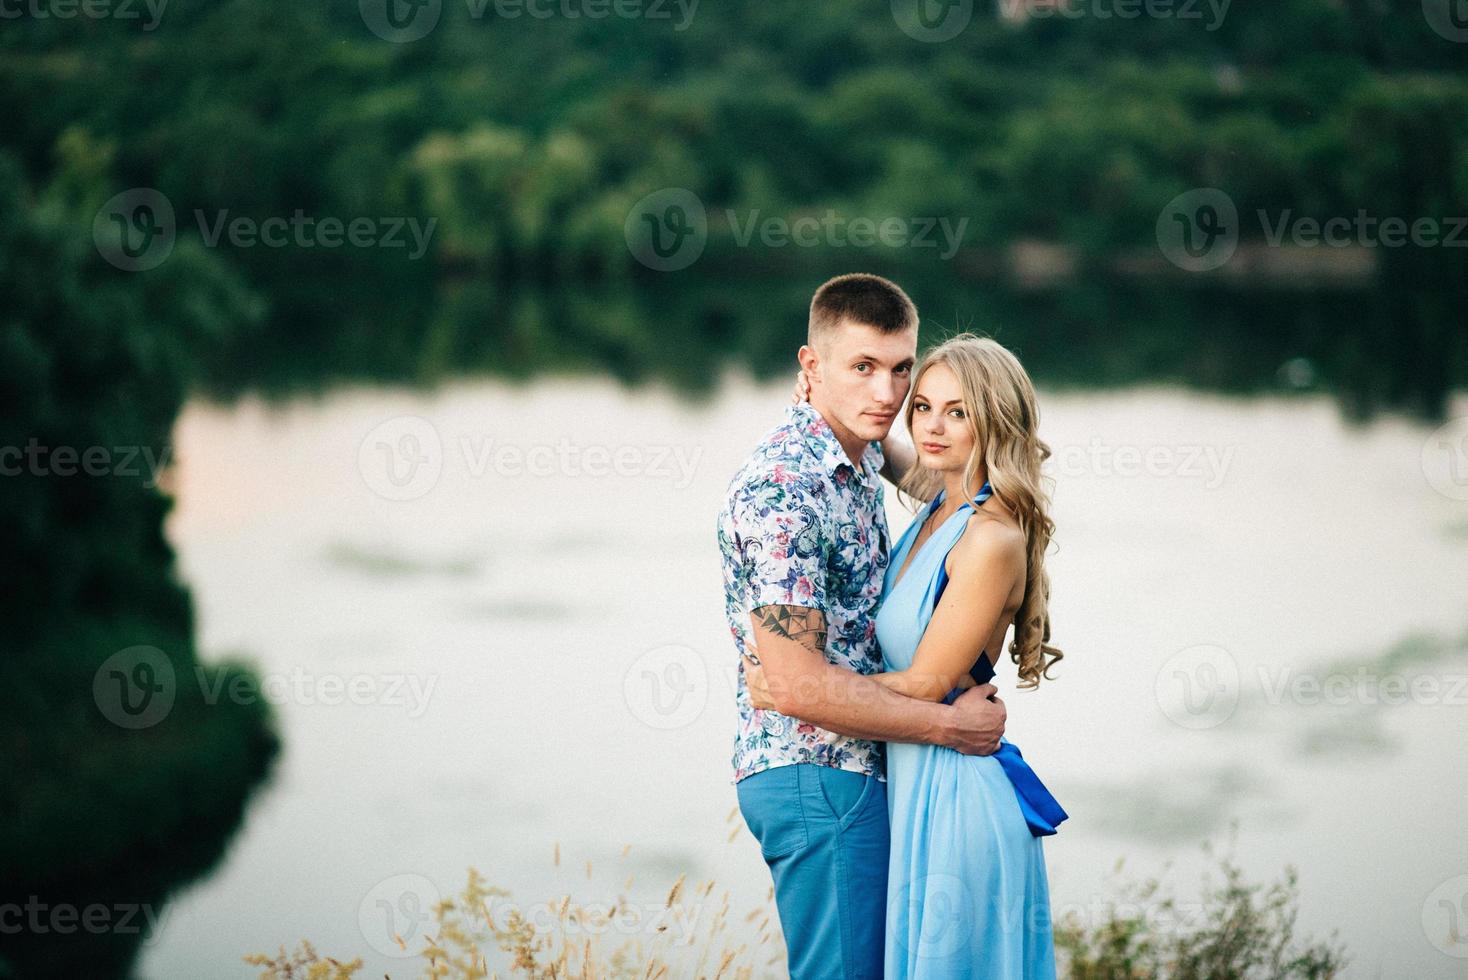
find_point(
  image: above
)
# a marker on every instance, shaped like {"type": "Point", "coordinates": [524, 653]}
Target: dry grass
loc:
{"type": "Point", "coordinates": [581, 942]}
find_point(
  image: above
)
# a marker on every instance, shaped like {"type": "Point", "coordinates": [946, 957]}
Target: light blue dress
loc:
{"type": "Point", "coordinates": [966, 889]}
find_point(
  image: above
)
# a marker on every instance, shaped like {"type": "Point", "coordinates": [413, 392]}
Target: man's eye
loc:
{"type": "Point", "coordinates": [904, 371]}
{"type": "Point", "coordinates": [863, 367]}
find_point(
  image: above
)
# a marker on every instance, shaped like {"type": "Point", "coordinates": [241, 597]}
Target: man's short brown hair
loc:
{"type": "Point", "coordinates": [863, 298]}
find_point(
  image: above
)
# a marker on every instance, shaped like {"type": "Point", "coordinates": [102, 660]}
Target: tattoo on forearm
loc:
{"type": "Point", "coordinates": [802, 624]}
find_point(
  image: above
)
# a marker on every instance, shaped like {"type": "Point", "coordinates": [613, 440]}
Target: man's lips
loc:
{"type": "Point", "coordinates": [881, 416]}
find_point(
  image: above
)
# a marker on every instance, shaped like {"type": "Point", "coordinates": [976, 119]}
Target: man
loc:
{"type": "Point", "coordinates": [804, 541]}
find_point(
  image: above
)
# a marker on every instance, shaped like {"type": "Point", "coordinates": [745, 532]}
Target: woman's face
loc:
{"type": "Point", "coordinates": [940, 421]}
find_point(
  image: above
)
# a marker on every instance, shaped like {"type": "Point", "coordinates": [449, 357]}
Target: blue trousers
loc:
{"type": "Point", "coordinates": [824, 834]}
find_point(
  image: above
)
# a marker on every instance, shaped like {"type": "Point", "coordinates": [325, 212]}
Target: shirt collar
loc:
{"type": "Point", "coordinates": [827, 448]}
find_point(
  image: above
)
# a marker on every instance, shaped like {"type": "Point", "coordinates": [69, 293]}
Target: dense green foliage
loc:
{"type": "Point", "coordinates": [93, 814]}
{"type": "Point", "coordinates": [528, 140]}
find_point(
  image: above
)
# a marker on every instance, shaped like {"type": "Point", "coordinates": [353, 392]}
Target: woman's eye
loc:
{"type": "Point", "coordinates": [920, 407]}
{"type": "Point", "coordinates": [957, 413]}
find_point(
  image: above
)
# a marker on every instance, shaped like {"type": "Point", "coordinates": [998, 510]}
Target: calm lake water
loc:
{"type": "Point", "coordinates": [491, 619]}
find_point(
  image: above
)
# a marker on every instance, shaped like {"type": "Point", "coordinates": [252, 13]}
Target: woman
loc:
{"type": "Point", "coordinates": [967, 892]}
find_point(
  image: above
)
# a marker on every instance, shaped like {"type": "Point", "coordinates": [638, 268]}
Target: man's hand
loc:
{"type": "Point", "coordinates": [759, 690]}
{"type": "Point", "coordinates": [978, 723]}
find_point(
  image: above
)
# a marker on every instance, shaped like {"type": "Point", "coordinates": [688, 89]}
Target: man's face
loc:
{"type": "Point", "coordinates": [860, 377]}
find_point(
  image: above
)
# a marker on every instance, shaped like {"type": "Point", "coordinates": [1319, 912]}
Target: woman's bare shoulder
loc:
{"type": "Point", "coordinates": [988, 541]}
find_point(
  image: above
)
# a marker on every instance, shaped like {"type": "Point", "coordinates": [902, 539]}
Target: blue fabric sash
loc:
{"type": "Point", "coordinates": [1043, 813]}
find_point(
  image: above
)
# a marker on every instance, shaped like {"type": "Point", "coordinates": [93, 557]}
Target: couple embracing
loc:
{"type": "Point", "coordinates": [902, 830]}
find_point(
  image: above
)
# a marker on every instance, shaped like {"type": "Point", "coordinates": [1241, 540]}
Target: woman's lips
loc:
{"type": "Point", "coordinates": [933, 447]}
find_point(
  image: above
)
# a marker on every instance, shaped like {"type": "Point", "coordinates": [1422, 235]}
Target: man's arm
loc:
{"type": "Point", "coordinates": [898, 456]}
{"type": "Point", "coordinates": [791, 643]}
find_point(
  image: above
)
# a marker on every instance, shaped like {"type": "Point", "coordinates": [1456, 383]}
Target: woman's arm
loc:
{"type": "Point", "coordinates": [907, 684]}
{"type": "Point", "coordinates": [985, 565]}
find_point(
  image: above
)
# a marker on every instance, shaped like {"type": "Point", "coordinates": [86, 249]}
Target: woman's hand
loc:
{"type": "Point", "coordinates": [802, 388]}
{"type": "Point", "coordinates": [759, 691]}
{"type": "Point", "coordinates": [801, 392]}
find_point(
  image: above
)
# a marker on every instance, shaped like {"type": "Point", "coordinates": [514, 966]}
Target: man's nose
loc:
{"type": "Point", "coordinates": [887, 390]}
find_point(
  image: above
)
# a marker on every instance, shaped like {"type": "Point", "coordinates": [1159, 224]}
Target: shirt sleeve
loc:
{"type": "Point", "coordinates": [778, 523]}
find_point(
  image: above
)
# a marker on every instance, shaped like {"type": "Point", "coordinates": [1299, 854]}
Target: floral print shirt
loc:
{"type": "Point", "coordinates": [802, 526]}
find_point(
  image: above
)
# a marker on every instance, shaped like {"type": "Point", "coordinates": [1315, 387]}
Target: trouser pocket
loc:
{"type": "Point", "coordinates": [844, 792]}
{"type": "Point", "coordinates": [773, 810]}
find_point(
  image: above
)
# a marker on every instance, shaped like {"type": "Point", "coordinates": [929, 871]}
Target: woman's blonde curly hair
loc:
{"type": "Point", "coordinates": [1004, 419]}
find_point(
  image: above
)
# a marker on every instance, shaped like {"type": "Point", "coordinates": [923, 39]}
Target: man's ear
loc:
{"type": "Point", "coordinates": [810, 362]}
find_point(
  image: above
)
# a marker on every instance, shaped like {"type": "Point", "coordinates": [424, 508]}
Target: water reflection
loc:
{"type": "Point", "coordinates": [1361, 342]}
